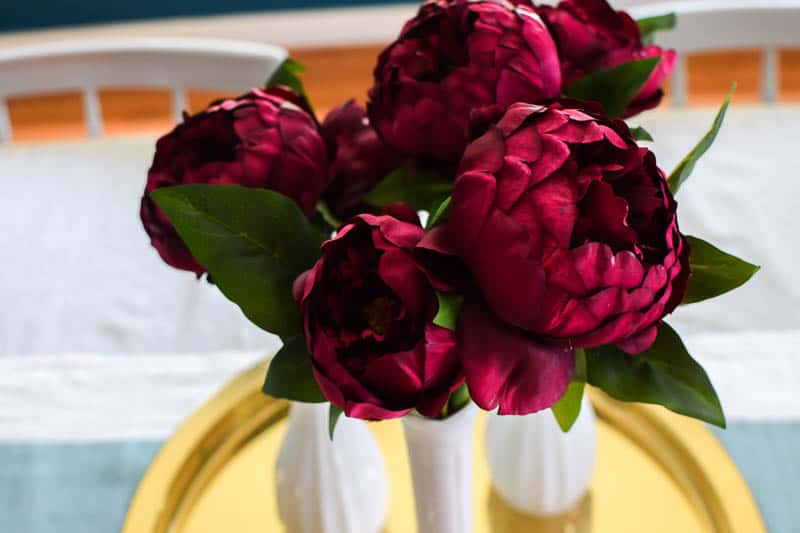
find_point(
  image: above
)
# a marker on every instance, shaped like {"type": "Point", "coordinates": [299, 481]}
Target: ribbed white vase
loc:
{"type": "Point", "coordinates": [537, 468]}
{"type": "Point", "coordinates": [330, 487]}
{"type": "Point", "coordinates": [440, 456]}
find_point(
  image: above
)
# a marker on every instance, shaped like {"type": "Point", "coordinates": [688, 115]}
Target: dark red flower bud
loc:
{"type": "Point", "coordinates": [570, 231]}
{"type": "Point", "coordinates": [368, 312]}
{"type": "Point", "coordinates": [452, 61]}
{"type": "Point", "coordinates": [591, 35]}
{"type": "Point", "coordinates": [260, 140]}
{"type": "Point", "coordinates": [359, 159]}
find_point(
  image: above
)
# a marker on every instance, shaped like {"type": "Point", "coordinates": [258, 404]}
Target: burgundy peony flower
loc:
{"type": "Point", "coordinates": [591, 36]}
{"type": "Point", "coordinates": [368, 311]}
{"type": "Point", "coordinates": [359, 159]}
{"type": "Point", "coordinates": [455, 59]}
{"type": "Point", "coordinates": [260, 139]}
{"type": "Point", "coordinates": [569, 229]}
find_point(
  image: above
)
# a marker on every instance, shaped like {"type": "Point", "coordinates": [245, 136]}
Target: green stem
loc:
{"type": "Point", "coordinates": [328, 216]}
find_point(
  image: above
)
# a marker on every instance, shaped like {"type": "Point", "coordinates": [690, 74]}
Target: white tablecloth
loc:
{"type": "Point", "coordinates": [79, 274]}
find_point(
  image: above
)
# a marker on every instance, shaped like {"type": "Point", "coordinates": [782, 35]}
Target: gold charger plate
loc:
{"type": "Point", "coordinates": [655, 472]}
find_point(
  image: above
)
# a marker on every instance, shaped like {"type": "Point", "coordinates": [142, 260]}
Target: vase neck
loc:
{"type": "Point", "coordinates": [446, 430]}
{"type": "Point", "coordinates": [440, 457]}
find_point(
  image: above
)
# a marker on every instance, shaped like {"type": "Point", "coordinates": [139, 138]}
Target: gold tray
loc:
{"type": "Point", "coordinates": [656, 472]}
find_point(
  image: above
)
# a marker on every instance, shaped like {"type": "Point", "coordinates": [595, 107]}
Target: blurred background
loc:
{"type": "Point", "coordinates": [336, 40]}
{"type": "Point", "coordinates": [104, 350]}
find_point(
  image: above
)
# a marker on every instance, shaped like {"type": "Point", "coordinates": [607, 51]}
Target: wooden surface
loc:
{"type": "Point", "coordinates": [337, 74]}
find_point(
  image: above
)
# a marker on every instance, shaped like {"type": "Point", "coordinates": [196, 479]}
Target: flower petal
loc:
{"type": "Point", "coordinates": [508, 369]}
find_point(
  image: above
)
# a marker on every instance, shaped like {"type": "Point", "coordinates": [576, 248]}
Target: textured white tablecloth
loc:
{"type": "Point", "coordinates": [744, 196]}
{"type": "Point", "coordinates": [79, 274]}
{"type": "Point", "coordinates": [100, 340]}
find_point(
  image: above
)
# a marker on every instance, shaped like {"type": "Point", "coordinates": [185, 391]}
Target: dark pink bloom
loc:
{"type": "Point", "coordinates": [455, 59]}
{"type": "Point", "coordinates": [260, 139]}
{"type": "Point", "coordinates": [591, 35]}
{"type": "Point", "coordinates": [569, 229]}
{"type": "Point", "coordinates": [359, 159]}
{"type": "Point", "coordinates": [368, 312]}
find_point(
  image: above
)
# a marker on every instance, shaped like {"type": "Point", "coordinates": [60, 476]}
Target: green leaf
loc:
{"type": "Point", "coordinates": [440, 215]}
{"type": "Point", "coordinates": [290, 375]}
{"type": "Point", "coordinates": [685, 167]}
{"type": "Point", "coordinates": [333, 418]}
{"type": "Point", "coordinates": [288, 74]}
{"type": "Point", "coordinates": [253, 242]}
{"type": "Point", "coordinates": [650, 25]}
{"type": "Point", "coordinates": [665, 375]}
{"type": "Point", "coordinates": [450, 305]}
{"type": "Point", "coordinates": [714, 272]}
{"type": "Point", "coordinates": [641, 134]}
{"type": "Point", "coordinates": [615, 87]}
{"type": "Point", "coordinates": [567, 409]}
{"type": "Point", "coordinates": [579, 372]}
{"type": "Point", "coordinates": [420, 191]}
{"type": "Point", "coordinates": [457, 401]}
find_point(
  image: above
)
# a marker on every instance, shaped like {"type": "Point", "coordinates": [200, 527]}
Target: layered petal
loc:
{"type": "Point", "coordinates": [367, 308]}
{"type": "Point", "coordinates": [359, 159]}
{"type": "Point", "coordinates": [569, 228]}
{"type": "Point", "coordinates": [591, 35]}
{"type": "Point", "coordinates": [454, 62]}
{"type": "Point", "coordinates": [261, 139]}
{"type": "Point", "coordinates": [507, 368]}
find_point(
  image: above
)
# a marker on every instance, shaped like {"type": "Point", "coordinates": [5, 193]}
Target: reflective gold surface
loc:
{"type": "Point", "coordinates": [656, 472]}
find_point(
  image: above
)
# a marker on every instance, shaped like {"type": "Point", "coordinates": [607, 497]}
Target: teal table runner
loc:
{"type": "Point", "coordinates": [86, 488]}
{"type": "Point", "coordinates": [768, 456]}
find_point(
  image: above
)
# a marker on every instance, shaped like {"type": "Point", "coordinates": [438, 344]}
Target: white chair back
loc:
{"type": "Point", "coordinates": [714, 25]}
{"type": "Point", "coordinates": [164, 63]}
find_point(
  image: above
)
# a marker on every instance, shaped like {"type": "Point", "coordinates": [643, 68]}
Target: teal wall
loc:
{"type": "Point", "coordinates": [33, 14]}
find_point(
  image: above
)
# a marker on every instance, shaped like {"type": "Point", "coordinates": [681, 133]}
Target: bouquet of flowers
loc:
{"type": "Point", "coordinates": [551, 251]}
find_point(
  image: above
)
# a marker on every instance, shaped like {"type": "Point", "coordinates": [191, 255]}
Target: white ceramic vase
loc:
{"type": "Point", "coordinates": [326, 486]}
{"type": "Point", "coordinates": [537, 468]}
{"type": "Point", "coordinates": [440, 456]}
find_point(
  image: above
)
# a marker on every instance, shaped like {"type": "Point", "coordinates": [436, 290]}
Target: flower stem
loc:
{"type": "Point", "coordinates": [327, 215]}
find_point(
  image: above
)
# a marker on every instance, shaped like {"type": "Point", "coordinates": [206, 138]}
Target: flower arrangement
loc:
{"type": "Point", "coordinates": [551, 252]}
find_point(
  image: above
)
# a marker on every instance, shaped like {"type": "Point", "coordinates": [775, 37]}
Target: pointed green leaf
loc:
{"type": "Point", "coordinates": [650, 25]}
{"type": "Point", "coordinates": [714, 272]}
{"type": "Point", "coordinates": [333, 418]}
{"type": "Point", "coordinates": [641, 134]}
{"type": "Point", "coordinates": [420, 191]}
{"type": "Point", "coordinates": [253, 242]}
{"type": "Point", "coordinates": [457, 401]}
{"type": "Point", "coordinates": [685, 167]}
{"type": "Point", "coordinates": [665, 375]}
{"type": "Point", "coordinates": [290, 375]}
{"type": "Point", "coordinates": [567, 409]}
{"type": "Point", "coordinates": [440, 215]}
{"type": "Point", "coordinates": [615, 87]}
{"type": "Point", "coordinates": [450, 305]}
{"type": "Point", "coordinates": [288, 74]}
